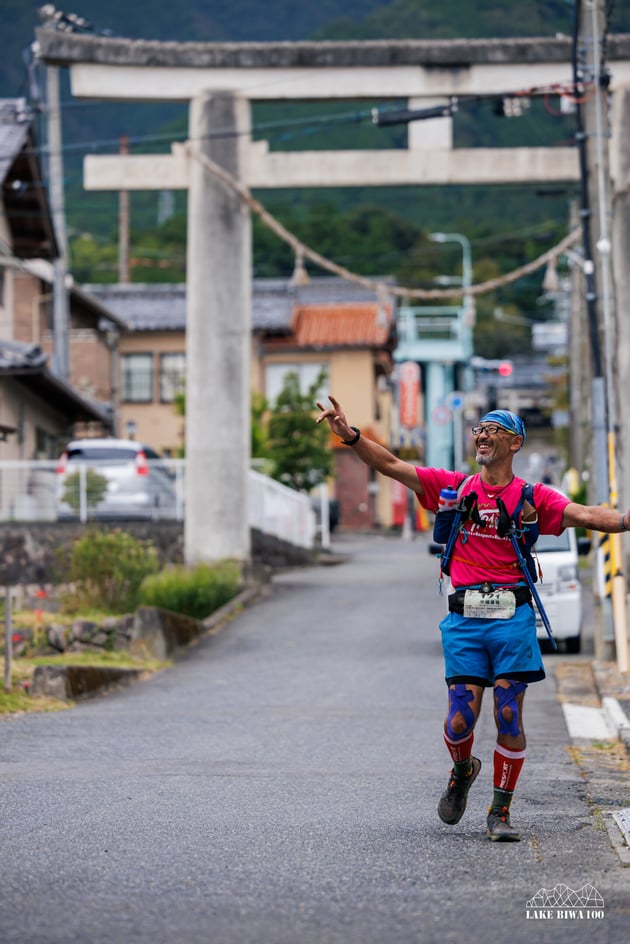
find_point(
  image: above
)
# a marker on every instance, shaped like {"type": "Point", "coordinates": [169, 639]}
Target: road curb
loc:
{"type": "Point", "coordinates": [613, 687]}
{"type": "Point", "coordinates": [617, 720]}
{"type": "Point", "coordinates": [618, 837]}
{"type": "Point", "coordinates": [215, 622]}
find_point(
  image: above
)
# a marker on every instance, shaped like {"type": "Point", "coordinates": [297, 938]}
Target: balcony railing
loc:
{"type": "Point", "coordinates": [433, 333]}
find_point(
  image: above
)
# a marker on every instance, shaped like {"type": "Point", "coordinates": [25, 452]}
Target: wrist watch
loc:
{"type": "Point", "coordinates": [355, 438]}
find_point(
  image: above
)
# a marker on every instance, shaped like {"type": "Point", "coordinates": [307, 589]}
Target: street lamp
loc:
{"type": "Point", "coordinates": [464, 242]}
{"type": "Point", "coordinates": [466, 321]}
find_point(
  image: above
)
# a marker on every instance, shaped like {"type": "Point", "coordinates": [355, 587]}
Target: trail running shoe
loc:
{"type": "Point", "coordinates": [452, 803]}
{"type": "Point", "coordinates": [499, 826]}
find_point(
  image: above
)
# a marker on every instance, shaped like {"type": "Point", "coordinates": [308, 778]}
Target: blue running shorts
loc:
{"type": "Point", "coordinates": [482, 650]}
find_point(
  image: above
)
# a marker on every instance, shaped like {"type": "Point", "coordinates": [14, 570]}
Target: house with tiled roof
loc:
{"type": "Point", "coordinates": [26, 231]}
{"type": "Point", "coordinates": [93, 331]}
{"type": "Point", "coordinates": [39, 411]}
{"type": "Point", "coordinates": [327, 323]}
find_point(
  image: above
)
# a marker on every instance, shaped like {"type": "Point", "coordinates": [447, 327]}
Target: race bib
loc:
{"type": "Point", "coordinates": [497, 604]}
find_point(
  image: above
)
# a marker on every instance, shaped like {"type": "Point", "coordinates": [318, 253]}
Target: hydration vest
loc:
{"type": "Point", "coordinates": [524, 533]}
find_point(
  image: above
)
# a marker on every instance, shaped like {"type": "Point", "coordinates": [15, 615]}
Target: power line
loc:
{"type": "Point", "coordinates": [310, 124]}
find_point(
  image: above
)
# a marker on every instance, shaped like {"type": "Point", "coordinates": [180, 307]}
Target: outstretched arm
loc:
{"type": "Point", "coordinates": [373, 454]}
{"type": "Point", "coordinates": [595, 518]}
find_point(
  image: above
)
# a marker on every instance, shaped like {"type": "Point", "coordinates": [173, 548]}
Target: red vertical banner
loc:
{"type": "Point", "coordinates": [399, 503]}
{"type": "Point", "coordinates": [409, 394]}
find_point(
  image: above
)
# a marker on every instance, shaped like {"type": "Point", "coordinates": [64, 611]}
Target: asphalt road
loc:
{"type": "Point", "coordinates": [279, 786]}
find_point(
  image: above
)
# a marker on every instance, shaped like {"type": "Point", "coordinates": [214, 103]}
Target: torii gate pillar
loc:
{"type": "Point", "coordinates": [218, 337]}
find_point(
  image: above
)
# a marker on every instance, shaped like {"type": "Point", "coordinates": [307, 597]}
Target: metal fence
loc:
{"type": "Point", "coordinates": [105, 490]}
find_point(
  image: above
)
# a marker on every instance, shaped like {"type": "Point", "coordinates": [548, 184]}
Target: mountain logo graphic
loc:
{"type": "Point", "coordinates": [561, 896]}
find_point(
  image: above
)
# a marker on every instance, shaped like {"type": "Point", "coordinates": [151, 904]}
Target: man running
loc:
{"type": "Point", "coordinates": [489, 635]}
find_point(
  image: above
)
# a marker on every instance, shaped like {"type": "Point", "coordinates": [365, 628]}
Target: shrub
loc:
{"type": "Point", "coordinates": [95, 489]}
{"type": "Point", "coordinates": [107, 569]}
{"type": "Point", "coordinates": [196, 591]}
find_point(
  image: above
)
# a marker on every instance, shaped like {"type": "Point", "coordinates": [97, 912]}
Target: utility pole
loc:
{"type": "Point", "coordinates": [123, 222]}
{"type": "Point", "coordinates": [60, 266]}
{"type": "Point", "coordinates": [620, 174]}
{"type": "Point", "coordinates": [593, 137]}
{"type": "Point", "coordinates": [66, 22]}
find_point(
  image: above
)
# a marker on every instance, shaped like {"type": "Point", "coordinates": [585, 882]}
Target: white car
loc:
{"type": "Point", "coordinates": [560, 590]}
{"type": "Point", "coordinates": [114, 478]}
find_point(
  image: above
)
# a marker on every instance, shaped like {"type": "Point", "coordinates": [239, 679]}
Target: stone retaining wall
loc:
{"type": "Point", "coordinates": [74, 682]}
{"type": "Point", "coordinates": [31, 554]}
{"type": "Point", "coordinates": [30, 559]}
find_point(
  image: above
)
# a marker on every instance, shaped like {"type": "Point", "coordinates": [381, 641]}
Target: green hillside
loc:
{"type": "Point", "coordinates": [194, 21]}
{"type": "Point", "coordinates": [371, 231]}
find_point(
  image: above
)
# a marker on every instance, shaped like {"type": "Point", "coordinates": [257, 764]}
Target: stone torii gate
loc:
{"type": "Point", "coordinates": [220, 80]}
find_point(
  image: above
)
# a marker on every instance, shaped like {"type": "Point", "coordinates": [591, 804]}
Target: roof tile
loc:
{"type": "Point", "coordinates": [344, 325]}
{"type": "Point", "coordinates": [162, 307]}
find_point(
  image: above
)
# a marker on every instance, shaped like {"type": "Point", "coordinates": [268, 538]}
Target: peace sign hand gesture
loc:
{"type": "Point", "coordinates": [336, 419]}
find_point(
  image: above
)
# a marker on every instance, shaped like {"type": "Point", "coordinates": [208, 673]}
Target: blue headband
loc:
{"type": "Point", "coordinates": [507, 420]}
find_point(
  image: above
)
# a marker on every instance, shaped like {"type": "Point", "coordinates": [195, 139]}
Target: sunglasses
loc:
{"type": "Point", "coordinates": [491, 428]}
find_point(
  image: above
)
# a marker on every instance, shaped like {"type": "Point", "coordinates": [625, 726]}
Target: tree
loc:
{"type": "Point", "coordinates": [92, 261]}
{"type": "Point", "coordinates": [298, 448]}
{"type": "Point", "coordinates": [259, 431]}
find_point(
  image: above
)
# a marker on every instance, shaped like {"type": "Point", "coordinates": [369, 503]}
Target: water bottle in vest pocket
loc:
{"type": "Point", "coordinates": [447, 503]}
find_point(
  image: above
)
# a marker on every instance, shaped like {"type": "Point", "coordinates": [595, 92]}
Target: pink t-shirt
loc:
{"type": "Point", "coordinates": [484, 555]}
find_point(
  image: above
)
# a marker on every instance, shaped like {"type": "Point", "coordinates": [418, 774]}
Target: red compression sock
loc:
{"type": "Point", "coordinates": [459, 750]}
{"type": "Point", "coordinates": [507, 767]}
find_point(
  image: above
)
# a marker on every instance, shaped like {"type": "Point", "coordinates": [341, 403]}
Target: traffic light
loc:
{"type": "Point", "coordinates": [488, 365]}
{"type": "Point", "coordinates": [490, 370]}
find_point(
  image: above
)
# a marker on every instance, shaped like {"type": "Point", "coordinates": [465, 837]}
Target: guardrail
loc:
{"type": "Point", "coordinates": [42, 490]}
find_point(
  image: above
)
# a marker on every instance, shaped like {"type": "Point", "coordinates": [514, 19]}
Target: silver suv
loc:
{"type": "Point", "coordinates": [115, 478]}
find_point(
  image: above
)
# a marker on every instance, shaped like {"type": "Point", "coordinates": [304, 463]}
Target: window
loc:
{"type": "Point", "coordinates": [307, 372]}
{"type": "Point", "coordinates": [172, 376]}
{"type": "Point", "coordinates": [137, 378]}
{"type": "Point", "coordinates": [46, 445]}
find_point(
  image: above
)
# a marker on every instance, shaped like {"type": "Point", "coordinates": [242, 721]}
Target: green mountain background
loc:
{"type": "Point", "coordinates": [377, 230]}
